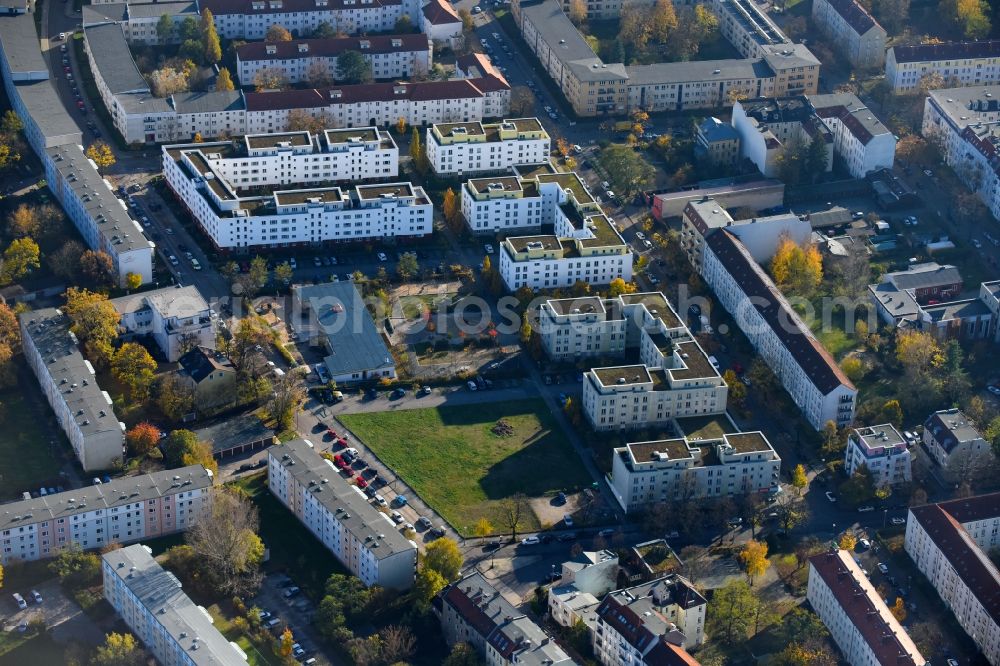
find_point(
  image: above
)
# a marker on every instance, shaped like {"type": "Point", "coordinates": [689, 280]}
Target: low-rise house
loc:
{"type": "Point", "coordinates": [151, 602]}
{"type": "Point", "coordinates": [337, 512]}
{"type": "Point", "coordinates": [334, 317]}
{"type": "Point", "coordinates": [585, 579]}
{"type": "Point", "coordinates": [852, 609]}
{"type": "Point", "coordinates": [955, 444]}
{"type": "Point", "coordinates": [210, 375]}
{"type": "Point", "coordinates": [949, 543]}
{"type": "Point", "coordinates": [473, 611]}
{"type": "Point", "coordinates": [124, 510]}
{"type": "Point", "coordinates": [882, 450]}
{"type": "Point", "coordinates": [68, 381]}
{"type": "Point", "coordinates": [176, 318]}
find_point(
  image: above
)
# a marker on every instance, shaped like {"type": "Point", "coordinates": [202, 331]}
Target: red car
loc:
{"type": "Point", "coordinates": [362, 483]}
{"type": "Point", "coordinates": [341, 442]}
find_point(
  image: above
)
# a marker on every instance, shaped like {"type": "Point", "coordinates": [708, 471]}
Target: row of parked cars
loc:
{"type": "Point", "coordinates": [276, 626]}
{"type": "Point", "coordinates": [22, 603]}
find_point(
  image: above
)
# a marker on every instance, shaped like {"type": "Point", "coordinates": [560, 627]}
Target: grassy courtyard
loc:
{"type": "Point", "coordinates": [27, 459]}
{"type": "Point", "coordinates": [454, 461]}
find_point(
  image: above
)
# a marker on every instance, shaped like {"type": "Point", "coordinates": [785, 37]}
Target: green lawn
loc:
{"type": "Point", "coordinates": [16, 650]}
{"type": "Point", "coordinates": [450, 457]}
{"type": "Point", "coordinates": [27, 459]}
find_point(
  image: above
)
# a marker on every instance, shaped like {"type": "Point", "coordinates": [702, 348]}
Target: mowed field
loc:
{"type": "Point", "coordinates": [454, 461]}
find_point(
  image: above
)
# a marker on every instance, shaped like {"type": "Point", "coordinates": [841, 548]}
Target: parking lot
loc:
{"type": "Point", "coordinates": [284, 602]}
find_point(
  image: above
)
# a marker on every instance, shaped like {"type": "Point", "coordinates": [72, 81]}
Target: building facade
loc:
{"type": "Point", "coordinates": [586, 578]}
{"type": "Point", "coordinates": [454, 149]}
{"type": "Point", "coordinates": [250, 19]}
{"type": "Point", "coordinates": [717, 143]}
{"type": "Point", "coordinates": [303, 60]}
{"type": "Point", "coordinates": [852, 609]}
{"type": "Point", "coordinates": [852, 30]}
{"type": "Point", "coordinates": [948, 542]}
{"type": "Point", "coordinates": [861, 141]}
{"type": "Point", "coordinates": [125, 510]}
{"type": "Point", "coordinates": [334, 509]}
{"type": "Point", "coordinates": [150, 601]}
{"type": "Point", "coordinates": [177, 318]}
{"type": "Point", "coordinates": [882, 450]}
{"type": "Point", "coordinates": [955, 444]}
{"type": "Point", "coordinates": [958, 63]}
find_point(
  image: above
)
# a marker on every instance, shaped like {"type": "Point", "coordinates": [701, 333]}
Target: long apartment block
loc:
{"type": "Point", "coordinates": [211, 181]}
{"type": "Point", "coordinates": [125, 510]}
{"type": "Point", "coordinates": [958, 63]}
{"type": "Point", "coordinates": [389, 56]}
{"type": "Point", "coordinates": [151, 602]}
{"type": "Point", "coordinates": [338, 513]}
{"type": "Point", "coordinates": [585, 245]}
{"type": "Point", "coordinates": [68, 381]}
{"type": "Point", "coordinates": [475, 147]}
{"type": "Point", "coordinates": [250, 19]}
{"type": "Point", "coordinates": [683, 469]}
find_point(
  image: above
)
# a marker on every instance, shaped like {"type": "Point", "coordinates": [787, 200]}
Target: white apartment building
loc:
{"type": "Point", "coordinates": [84, 411]}
{"type": "Point", "coordinates": [289, 216]}
{"type": "Point", "coordinates": [502, 204]}
{"type": "Point", "coordinates": [389, 56]}
{"type": "Point", "coordinates": [682, 469]}
{"type": "Point", "coordinates": [177, 318]}
{"type": "Point", "coordinates": [647, 624]}
{"type": "Point", "coordinates": [966, 123]}
{"type": "Point", "coordinates": [852, 30]}
{"type": "Point", "coordinates": [949, 542]}
{"type": "Point", "coordinates": [959, 63]}
{"type": "Point", "coordinates": [468, 148]}
{"type": "Point", "coordinates": [768, 126]}
{"type": "Point", "coordinates": [860, 139]}
{"type": "Point", "coordinates": [572, 328]}
{"type": "Point", "coordinates": [882, 450]}
{"type": "Point", "coordinates": [473, 611]}
{"type": "Point", "coordinates": [440, 22]}
{"type": "Point", "coordinates": [747, 27]}
{"type": "Point", "coordinates": [811, 376]}
{"type": "Point", "coordinates": [953, 442]}
{"type": "Point", "coordinates": [250, 19]}
{"type": "Point", "coordinates": [334, 509]}
{"type": "Point", "coordinates": [126, 510]}
{"type": "Point", "coordinates": [150, 601]}
{"type": "Point", "coordinates": [860, 623]}
{"type": "Point", "coordinates": [586, 578]}
{"type": "Point", "coordinates": [139, 19]}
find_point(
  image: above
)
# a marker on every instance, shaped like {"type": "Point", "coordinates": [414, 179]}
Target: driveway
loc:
{"type": "Point", "coordinates": [295, 613]}
{"type": "Point", "coordinates": [62, 616]}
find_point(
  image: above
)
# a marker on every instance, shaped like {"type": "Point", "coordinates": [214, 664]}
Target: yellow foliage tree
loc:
{"type": "Point", "coordinates": [450, 206]}
{"type": "Point", "coordinates": [898, 609]}
{"type": "Point", "coordinates": [285, 643]}
{"type": "Point", "coordinates": [753, 557]}
{"type": "Point", "coordinates": [799, 478]}
{"type": "Point", "coordinates": [619, 286]}
{"type": "Point", "coordinates": [101, 154]}
{"type": "Point", "coordinates": [918, 352]}
{"type": "Point", "coordinates": [847, 541]}
{"type": "Point", "coordinates": [133, 281]}
{"type": "Point", "coordinates": [401, 125]}
{"type": "Point", "coordinates": [224, 81]}
{"type": "Point", "coordinates": [797, 268]}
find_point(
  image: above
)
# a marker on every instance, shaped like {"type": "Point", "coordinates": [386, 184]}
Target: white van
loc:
{"type": "Point", "coordinates": [21, 603]}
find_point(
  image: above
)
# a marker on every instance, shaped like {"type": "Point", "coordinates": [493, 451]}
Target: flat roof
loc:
{"type": "Point", "coordinates": [568, 180]}
{"type": "Point", "coordinates": [521, 243]}
{"type": "Point", "coordinates": [730, 69]}
{"type": "Point", "coordinates": [623, 375]}
{"type": "Point", "coordinates": [471, 128]}
{"type": "Point", "coordinates": [698, 365]}
{"type": "Point", "coordinates": [176, 301]}
{"type": "Point", "coordinates": [352, 135]}
{"type": "Point", "coordinates": [505, 183]}
{"type": "Point", "coordinates": [319, 195]}
{"type": "Point", "coordinates": [583, 305]}
{"type": "Point", "coordinates": [394, 190]}
{"type": "Point", "coordinates": [657, 305]}
{"type": "Point", "coordinates": [21, 48]}
{"type": "Point", "coordinates": [673, 449]}
{"type": "Point", "coordinates": [748, 442]}
{"type": "Point", "coordinates": [256, 141]}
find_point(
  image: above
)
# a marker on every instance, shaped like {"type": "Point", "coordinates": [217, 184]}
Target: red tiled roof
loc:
{"type": "Point", "coordinates": [469, 611]}
{"type": "Point", "coordinates": [332, 47]}
{"type": "Point", "coordinates": [943, 524]}
{"type": "Point", "coordinates": [285, 99]}
{"type": "Point", "coordinates": [365, 92]}
{"type": "Point", "coordinates": [224, 7]}
{"type": "Point", "coordinates": [440, 12]}
{"type": "Point", "coordinates": [665, 653]}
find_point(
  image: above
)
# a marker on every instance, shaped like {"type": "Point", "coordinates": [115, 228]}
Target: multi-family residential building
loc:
{"type": "Point", "coordinates": [210, 375]}
{"type": "Point", "coordinates": [585, 246]}
{"type": "Point", "coordinates": [647, 624]}
{"type": "Point", "coordinates": [140, 19]}
{"type": "Point", "coordinates": [441, 23]}
{"type": "Point", "coordinates": [302, 60]}
{"type": "Point", "coordinates": [474, 147]}
{"type": "Point", "coordinates": [125, 510]}
{"type": "Point", "coordinates": [683, 469]}
{"type": "Point", "coordinates": [953, 442]}
{"type": "Point", "coordinates": [811, 376]}
{"type": "Point", "coordinates": [53, 134]}
{"type": "Point", "coordinates": [760, 235]}
{"type": "Point", "coordinates": [958, 63]}
{"type": "Point", "coordinates": [196, 173]}
{"type": "Point", "coordinates": [83, 410]}
{"type": "Point", "coordinates": [250, 19]}
{"type": "Point", "coordinates": [473, 611]}
{"type": "Point", "coordinates": [948, 543]}
{"type": "Point", "coordinates": [852, 609]}
{"type": "Point", "coordinates": [177, 318]}
{"type": "Point", "coordinates": [965, 122]}
{"type": "Point", "coordinates": [502, 204]}
{"type": "Point", "coordinates": [882, 450]}
{"type": "Point", "coordinates": [333, 316]}
{"type": "Point", "coordinates": [771, 66]}
{"type": "Point", "coordinates": [860, 139]}
{"type": "Point", "coordinates": [151, 602]}
{"type": "Point", "coordinates": [590, 326]}
{"type": "Point", "coordinates": [717, 143]}
{"type": "Point", "coordinates": [334, 509]}
{"type": "Point", "coordinates": [852, 30]}
{"type": "Point", "coordinates": [586, 578]}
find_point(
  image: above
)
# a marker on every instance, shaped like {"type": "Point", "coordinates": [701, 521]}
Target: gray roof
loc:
{"type": "Point", "coordinates": [144, 102]}
{"type": "Point", "coordinates": [899, 304]}
{"type": "Point", "coordinates": [169, 302]}
{"type": "Point", "coordinates": [97, 199]}
{"type": "Point", "coordinates": [21, 47]}
{"type": "Point", "coordinates": [846, 106]}
{"type": "Point", "coordinates": [114, 59]}
{"type": "Point", "coordinates": [714, 129]}
{"type": "Point", "coordinates": [785, 56]}
{"type": "Point", "coordinates": [343, 499]}
{"type": "Point", "coordinates": [929, 274]}
{"type": "Point", "coordinates": [139, 10]}
{"type": "Point", "coordinates": [208, 102]}
{"type": "Point", "coordinates": [91, 407]}
{"type": "Point", "coordinates": [48, 113]}
{"type": "Point", "coordinates": [951, 427]}
{"type": "Point", "coordinates": [159, 591]}
{"type": "Point", "coordinates": [104, 13]}
{"type": "Point", "coordinates": [228, 432]}
{"type": "Point", "coordinates": [120, 491]}
{"type": "Point", "coordinates": [697, 70]}
{"type": "Point", "coordinates": [337, 310]}
{"type": "Point", "coordinates": [567, 44]}
{"type": "Point", "coordinates": [963, 105]}
{"type": "Point", "coordinates": [962, 309]}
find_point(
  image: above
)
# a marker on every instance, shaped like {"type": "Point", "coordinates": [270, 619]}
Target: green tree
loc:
{"type": "Point", "coordinates": [283, 273]}
{"type": "Point", "coordinates": [407, 266]}
{"type": "Point", "coordinates": [403, 25]}
{"type": "Point", "coordinates": [94, 322]}
{"type": "Point", "coordinates": [427, 584]}
{"type": "Point", "coordinates": [165, 29]}
{"type": "Point", "coordinates": [816, 157]}
{"type": "Point", "coordinates": [134, 367]}
{"type": "Point", "coordinates": [210, 38]}
{"type": "Point", "coordinates": [173, 396]}
{"type": "Point", "coordinates": [254, 279]}
{"type": "Point", "coordinates": [730, 613]}
{"type": "Point", "coordinates": [970, 17]}
{"type": "Point", "coordinates": [190, 30]}
{"type": "Point", "coordinates": [224, 81]}
{"type": "Point", "coordinates": [462, 654]}
{"type": "Point", "coordinates": [892, 412]}
{"type": "Point", "coordinates": [627, 170]}
{"type": "Point", "coordinates": [11, 123]}
{"type": "Point", "coordinates": [859, 488]}
{"type": "Point", "coordinates": [76, 568]}
{"type": "Point", "coordinates": [118, 650]}
{"type": "Point", "coordinates": [443, 556]}
{"type": "Point", "coordinates": [352, 67]}
{"type": "Point", "coordinates": [183, 448]}
{"type": "Point", "coordinates": [19, 259]}
{"type": "Point", "coordinates": [324, 31]}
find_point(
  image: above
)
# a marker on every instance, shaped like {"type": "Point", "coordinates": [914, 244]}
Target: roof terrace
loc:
{"type": "Point", "coordinates": [623, 375]}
